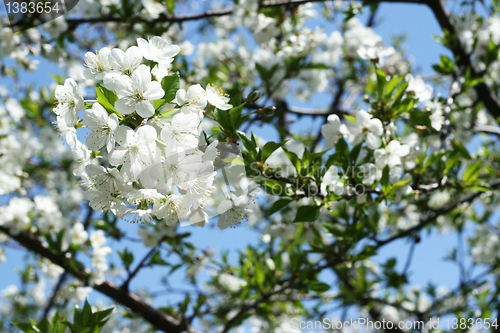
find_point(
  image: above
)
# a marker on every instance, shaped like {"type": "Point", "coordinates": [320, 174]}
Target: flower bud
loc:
{"type": "Point", "coordinates": [268, 110]}
{"type": "Point", "coordinates": [253, 96]}
{"type": "Point", "coordinates": [410, 93]}
{"type": "Point", "coordinates": [366, 98]}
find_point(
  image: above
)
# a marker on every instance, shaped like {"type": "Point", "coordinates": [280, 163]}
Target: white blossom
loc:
{"type": "Point", "coordinates": [102, 126]}
{"type": "Point", "coordinates": [69, 102]}
{"type": "Point", "coordinates": [97, 64]}
{"type": "Point", "coordinates": [217, 98]}
{"type": "Point", "coordinates": [376, 52]}
{"type": "Point", "coordinates": [158, 49]}
{"type": "Point", "coordinates": [422, 90]}
{"type": "Point", "coordinates": [137, 93]}
{"type": "Point", "coordinates": [192, 101]}
{"type": "Point", "coordinates": [365, 128]}
{"type": "Point", "coordinates": [391, 154]}
{"type": "Point", "coordinates": [333, 130]}
{"type": "Point", "coordinates": [137, 150]}
{"type": "Point", "coordinates": [233, 210]}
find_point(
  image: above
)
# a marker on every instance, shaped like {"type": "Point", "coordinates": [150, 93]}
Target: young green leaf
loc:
{"type": "Point", "coordinates": [269, 148]}
{"type": "Point", "coordinates": [170, 84]}
{"type": "Point", "coordinates": [106, 98]}
{"type": "Point", "coordinates": [309, 213]}
{"type": "Point", "coordinates": [279, 205]}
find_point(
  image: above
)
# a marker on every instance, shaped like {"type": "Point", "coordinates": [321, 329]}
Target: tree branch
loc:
{"type": "Point", "coordinates": [58, 286]}
{"type": "Point", "coordinates": [158, 319]}
{"type": "Point", "coordinates": [64, 275]}
{"type": "Point", "coordinates": [488, 129]}
{"type": "Point", "coordinates": [436, 213]}
{"type": "Point", "coordinates": [489, 99]}
{"type": "Point", "coordinates": [189, 17]}
{"type": "Point", "coordinates": [315, 112]}
{"type": "Point", "coordinates": [141, 264]}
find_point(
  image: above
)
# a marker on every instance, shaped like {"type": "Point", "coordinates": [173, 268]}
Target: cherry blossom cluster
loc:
{"type": "Point", "coordinates": [144, 156]}
{"type": "Point", "coordinates": [365, 129]}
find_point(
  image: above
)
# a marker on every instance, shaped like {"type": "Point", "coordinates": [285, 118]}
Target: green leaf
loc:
{"type": "Point", "coordinates": [106, 98]}
{"type": "Point", "coordinates": [222, 117]}
{"type": "Point", "coordinates": [269, 148]}
{"type": "Point", "coordinates": [157, 260]}
{"type": "Point", "coordinates": [316, 66]}
{"type": "Point", "coordinates": [26, 327]}
{"type": "Point", "coordinates": [102, 316]}
{"type": "Point", "coordinates": [87, 313]}
{"type": "Point", "coordinates": [44, 325]}
{"type": "Point", "coordinates": [350, 118]}
{"type": "Point", "coordinates": [472, 172]}
{"type": "Point", "coordinates": [319, 287]}
{"type": "Point", "coordinates": [385, 180]}
{"type": "Point", "coordinates": [353, 155]}
{"type": "Point", "coordinates": [247, 142]}
{"type": "Point", "coordinates": [475, 82]}
{"type": "Point", "coordinates": [171, 6]}
{"type": "Point", "coordinates": [402, 183]}
{"type": "Point", "coordinates": [392, 84]}
{"type": "Point", "coordinates": [446, 66]}
{"type": "Point", "coordinates": [275, 187]}
{"type": "Point", "coordinates": [264, 73]}
{"type": "Point", "coordinates": [293, 158]}
{"type": "Point", "coordinates": [460, 149]}
{"type": "Point", "coordinates": [381, 81]}
{"type": "Point", "coordinates": [158, 103]}
{"type": "Point", "coordinates": [308, 213]}
{"type": "Point", "coordinates": [170, 84]}
{"type": "Point", "coordinates": [406, 105]}
{"type": "Point", "coordinates": [398, 95]}
{"type": "Point", "coordinates": [127, 258]}
{"type": "Point", "coordinates": [306, 161]}
{"type": "Point", "coordinates": [235, 116]}
{"type": "Point", "coordinates": [278, 205]}
{"type": "Point", "coordinates": [479, 188]}
{"type": "Point", "coordinates": [341, 156]}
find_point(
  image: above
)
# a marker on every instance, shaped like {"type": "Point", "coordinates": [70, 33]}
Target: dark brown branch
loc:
{"type": "Point", "coordinates": [141, 265]}
{"type": "Point", "coordinates": [436, 213]}
{"type": "Point", "coordinates": [489, 99]}
{"type": "Point", "coordinates": [64, 276]}
{"type": "Point", "coordinates": [495, 130]}
{"type": "Point", "coordinates": [58, 286]}
{"type": "Point", "coordinates": [190, 17]}
{"type": "Point", "coordinates": [315, 112]}
{"type": "Point", "coordinates": [158, 319]}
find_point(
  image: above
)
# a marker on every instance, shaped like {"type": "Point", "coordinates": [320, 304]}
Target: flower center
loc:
{"type": "Point", "coordinates": [134, 150]}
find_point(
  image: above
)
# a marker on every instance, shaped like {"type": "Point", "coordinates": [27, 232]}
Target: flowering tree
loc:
{"type": "Point", "coordinates": [157, 133]}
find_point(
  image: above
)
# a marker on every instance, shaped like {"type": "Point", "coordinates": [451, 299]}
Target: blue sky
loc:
{"type": "Point", "coordinates": [420, 25]}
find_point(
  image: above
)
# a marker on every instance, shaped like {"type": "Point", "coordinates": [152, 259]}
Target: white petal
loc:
{"type": "Point", "coordinates": [373, 141]}
{"type": "Point", "coordinates": [145, 109]}
{"type": "Point", "coordinates": [118, 156]}
{"type": "Point", "coordinates": [124, 135]}
{"type": "Point", "coordinates": [146, 134]}
{"type": "Point", "coordinates": [375, 126]}
{"type": "Point", "coordinates": [144, 47]}
{"type": "Point", "coordinates": [123, 85]}
{"type": "Point", "coordinates": [154, 91]}
{"type": "Point", "coordinates": [180, 97]}
{"type": "Point", "coordinates": [363, 118]}
{"type": "Point", "coordinates": [125, 106]}
{"type": "Point", "coordinates": [134, 55]}
{"type": "Point", "coordinates": [95, 140]}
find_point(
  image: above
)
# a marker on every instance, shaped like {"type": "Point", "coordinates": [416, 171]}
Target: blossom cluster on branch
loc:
{"type": "Point", "coordinates": [145, 130]}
